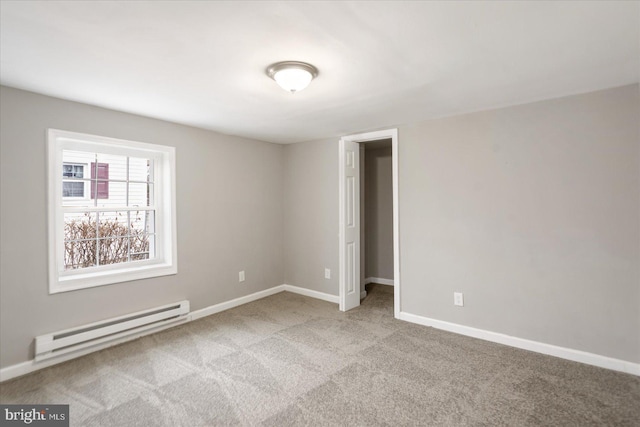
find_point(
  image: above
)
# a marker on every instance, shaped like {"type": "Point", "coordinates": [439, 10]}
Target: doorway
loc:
{"type": "Point", "coordinates": [349, 217]}
{"type": "Point", "coordinates": [376, 218]}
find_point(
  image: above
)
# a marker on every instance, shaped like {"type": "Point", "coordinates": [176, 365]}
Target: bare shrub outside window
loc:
{"type": "Point", "coordinates": [116, 238]}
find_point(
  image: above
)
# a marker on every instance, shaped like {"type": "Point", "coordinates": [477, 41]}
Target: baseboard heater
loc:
{"type": "Point", "coordinates": [93, 334]}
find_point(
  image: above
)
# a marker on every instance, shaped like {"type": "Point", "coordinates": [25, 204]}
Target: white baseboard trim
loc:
{"type": "Point", "coordinates": [29, 366]}
{"type": "Point", "coordinates": [217, 308]}
{"type": "Point", "coordinates": [213, 309]}
{"type": "Point", "coordinates": [378, 280]}
{"type": "Point", "coordinates": [535, 346]}
{"type": "Point", "coordinates": [313, 294]}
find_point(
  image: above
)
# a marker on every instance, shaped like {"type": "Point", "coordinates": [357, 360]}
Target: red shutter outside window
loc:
{"type": "Point", "coordinates": [102, 186]}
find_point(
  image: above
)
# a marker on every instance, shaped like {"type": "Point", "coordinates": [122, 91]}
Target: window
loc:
{"type": "Point", "coordinates": [111, 210]}
{"type": "Point", "coordinates": [72, 184]}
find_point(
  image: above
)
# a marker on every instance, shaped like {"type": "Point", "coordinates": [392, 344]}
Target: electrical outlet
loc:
{"type": "Point", "coordinates": [241, 276]}
{"type": "Point", "coordinates": [327, 273]}
{"type": "Point", "coordinates": [458, 299]}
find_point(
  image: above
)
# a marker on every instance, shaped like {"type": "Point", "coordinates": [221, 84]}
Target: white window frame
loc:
{"type": "Point", "coordinates": [166, 259]}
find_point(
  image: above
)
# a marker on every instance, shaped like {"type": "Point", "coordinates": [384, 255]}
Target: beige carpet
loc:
{"type": "Point", "coordinates": [293, 360]}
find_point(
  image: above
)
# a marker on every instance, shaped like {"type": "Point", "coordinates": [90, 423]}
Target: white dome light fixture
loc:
{"type": "Point", "coordinates": [292, 76]}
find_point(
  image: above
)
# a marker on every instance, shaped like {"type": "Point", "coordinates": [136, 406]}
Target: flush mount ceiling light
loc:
{"type": "Point", "coordinates": [292, 76]}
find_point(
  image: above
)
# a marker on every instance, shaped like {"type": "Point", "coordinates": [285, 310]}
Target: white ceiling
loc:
{"type": "Point", "coordinates": [381, 63]}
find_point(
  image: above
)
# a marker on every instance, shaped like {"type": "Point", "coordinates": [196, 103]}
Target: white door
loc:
{"type": "Point", "coordinates": [349, 225]}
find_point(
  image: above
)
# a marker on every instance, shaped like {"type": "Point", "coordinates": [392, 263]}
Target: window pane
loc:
{"type": "Point", "coordinates": [73, 188]}
{"type": "Point", "coordinates": [79, 240]}
{"type": "Point", "coordinates": [116, 166]}
{"type": "Point", "coordinates": [67, 171]}
{"type": "Point", "coordinates": [78, 171]}
{"type": "Point", "coordinates": [79, 254]}
{"type": "Point", "coordinates": [113, 250]}
{"type": "Point", "coordinates": [112, 224]}
{"type": "Point", "coordinates": [140, 194]}
{"type": "Point", "coordinates": [79, 226]}
{"type": "Point", "coordinates": [140, 169]}
{"type": "Point", "coordinates": [81, 198]}
{"type": "Point", "coordinates": [142, 222]}
{"type": "Point", "coordinates": [110, 194]}
{"type": "Point", "coordinates": [142, 247]}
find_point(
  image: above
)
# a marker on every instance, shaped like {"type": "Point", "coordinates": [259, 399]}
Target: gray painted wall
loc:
{"type": "Point", "coordinates": [378, 184]}
{"type": "Point", "coordinates": [311, 214]}
{"type": "Point", "coordinates": [531, 211]}
{"type": "Point", "coordinates": [229, 203]}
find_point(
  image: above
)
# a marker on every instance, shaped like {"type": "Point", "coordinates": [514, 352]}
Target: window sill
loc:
{"type": "Point", "coordinates": [101, 278]}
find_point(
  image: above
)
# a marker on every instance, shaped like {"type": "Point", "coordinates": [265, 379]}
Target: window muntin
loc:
{"type": "Point", "coordinates": [124, 226]}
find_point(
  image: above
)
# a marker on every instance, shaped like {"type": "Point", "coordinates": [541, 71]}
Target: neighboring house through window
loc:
{"type": "Point", "coordinates": [72, 184]}
{"type": "Point", "coordinates": [75, 186]}
{"type": "Point", "coordinates": [111, 210]}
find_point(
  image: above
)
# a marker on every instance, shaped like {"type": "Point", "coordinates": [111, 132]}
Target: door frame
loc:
{"type": "Point", "coordinates": [368, 137]}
